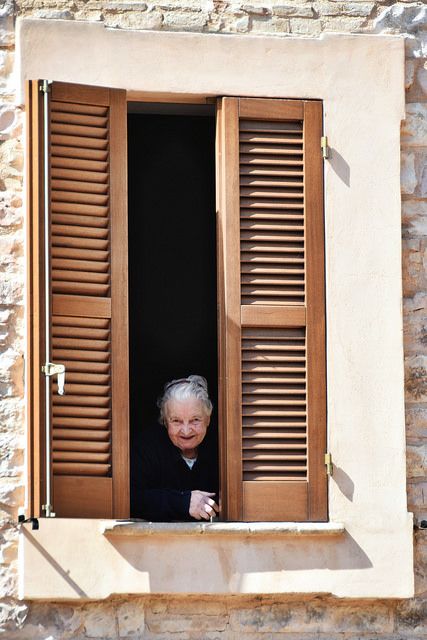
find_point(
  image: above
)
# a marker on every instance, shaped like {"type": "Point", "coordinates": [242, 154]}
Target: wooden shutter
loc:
{"type": "Point", "coordinates": [88, 298]}
{"type": "Point", "coordinates": [272, 315]}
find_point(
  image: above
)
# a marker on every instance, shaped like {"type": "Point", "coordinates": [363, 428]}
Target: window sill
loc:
{"type": "Point", "coordinates": [112, 528]}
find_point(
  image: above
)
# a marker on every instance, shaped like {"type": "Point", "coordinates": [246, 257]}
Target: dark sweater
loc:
{"type": "Point", "coordinates": [167, 480]}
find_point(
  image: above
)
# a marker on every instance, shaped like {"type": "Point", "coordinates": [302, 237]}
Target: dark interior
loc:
{"type": "Point", "coordinates": [172, 260]}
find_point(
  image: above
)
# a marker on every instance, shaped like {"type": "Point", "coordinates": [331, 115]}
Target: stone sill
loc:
{"type": "Point", "coordinates": [112, 528]}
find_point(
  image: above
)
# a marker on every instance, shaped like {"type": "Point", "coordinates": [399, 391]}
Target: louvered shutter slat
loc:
{"type": "Point", "coordinates": [268, 216]}
{"type": "Point", "coordinates": [88, 251]}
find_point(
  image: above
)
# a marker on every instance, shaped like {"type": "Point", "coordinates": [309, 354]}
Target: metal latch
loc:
{"type": "Point", "coordinates": [47, 508]}
{"type": "Point", "coordinates": [51, 369]}
{"type": "Point", "coordinates": [328, 464]}
{"type": "Point", "coordinates": [324, 146]}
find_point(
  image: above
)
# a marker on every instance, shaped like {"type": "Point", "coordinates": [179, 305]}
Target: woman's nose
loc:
{"type": "Point", "coordinates": [186, 427]}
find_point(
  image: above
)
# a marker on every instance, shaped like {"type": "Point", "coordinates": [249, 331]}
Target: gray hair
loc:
{"type": "Point", "coordinates": [183, 389]}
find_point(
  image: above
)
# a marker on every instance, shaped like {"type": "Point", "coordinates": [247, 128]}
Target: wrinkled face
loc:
{"type": "Point", "coordinates": [186, 423]}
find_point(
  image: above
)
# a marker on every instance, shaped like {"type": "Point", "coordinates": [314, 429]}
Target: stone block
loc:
{"type": "Point", "coordinates": [409, 73]}
{"type": "Point", "coordinates": [185, 20]}
{"type": "Point", "coordinates": [355, 9]}
{"type": "Point", "coordinates": [11, 493]}
{"type": "Point", "coordinates": [146, 20]}
{"type": "Point", "coordinates": [408, 178]}
{"type": "Point", "coordinates": [11, 250]}
{"type": "Point", "coordinates": [414, 127]}
{"type": "Point", "coordinates": [305, 27]}
{"type": "Point", "coordinates": [100, 621]}
{"type": "Point", "coordinates": [422, 173]}
{"type": "Point", "coordinates": [295, 10]}
{"type": "Point", "coordinates": [414, 265]}
{"type": "Point", "coordinates": [7, 27]}
{"type": "Point", "coordinates": [414, 218]}
{"type": "Point", "coordinates": [134, 5]}
{"type": "Point", "coordinates": [130, 618]}
{"type": "Point", "coordinates": [11, 289]}
{"type": "Point", "coordinates": [11, 215]}
{"type": "Point", "coordinates": [53, 14]}
{"type": "Point", "coordinates": [57, 620]}
{"type": "Point", "coordinates": [275, 25]}
{"type": "Point", "coordinates": [400, 18]}
{"type": "Point", "coordinates": [185, 622]}
{"type": "Point", "coordinates": [420, 560]}
{"type": "Point", "coordinates": [415, 325]}
{"type": "Point", "coordinates": [416, 460]}
{"type": "Point", "coordinates": [416, 45]}
{"type": "Point", "coordinates": [416, 378]}
{"type": "Point", "coordinates": [348, 24]}
{"type": "Point", "coordinates": [411, 617]}
{"type": "Point", "coordinates": [416, 422]}
{"type": "Point", "coordinates": [417, 495]}
{"type": "Point", "coordinates": [422, 77]}
{"type": "Point", "coordinates": [312, 618]}
{"type": "Point", "coordinates": [255, 10]}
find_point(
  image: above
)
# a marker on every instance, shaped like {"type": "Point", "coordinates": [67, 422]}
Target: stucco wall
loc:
{"type": "Point", "coordinates": [181, 618]}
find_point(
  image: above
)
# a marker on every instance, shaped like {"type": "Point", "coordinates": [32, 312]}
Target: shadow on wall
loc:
{"type": "Point", "coordinates": [339, 165]}
{"type": "Point", "coordinates": [240, 565]}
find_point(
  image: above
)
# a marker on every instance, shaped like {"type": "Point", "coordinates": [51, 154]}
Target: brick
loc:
{"type": "Point", "coordinates": [414, 127]}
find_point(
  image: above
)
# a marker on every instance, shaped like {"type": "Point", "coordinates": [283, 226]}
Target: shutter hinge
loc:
{"type": "Point", "coordinates": [51, 369]}
{"type": "Point", "coordinates": [328, 464]}
{"type": "Point", "coordinates": [45, 86]}
{"type": "Point", "coordinates": [47, 508]}
{"type": "Point", "coordinates": [325, 147]}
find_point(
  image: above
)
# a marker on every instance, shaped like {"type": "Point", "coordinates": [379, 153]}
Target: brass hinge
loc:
{"type": "Point", "coordinates": [328, 464]}
{"type": "Point", "coordinates": [325, 147]}
{"type": "Point", "coordinates": [45, 86]}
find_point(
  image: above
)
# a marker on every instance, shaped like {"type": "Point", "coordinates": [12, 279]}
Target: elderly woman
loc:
{"type": "Point", "coordinates": [180, 469]}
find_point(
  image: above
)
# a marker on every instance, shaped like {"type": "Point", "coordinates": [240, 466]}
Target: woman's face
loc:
{"type": "Point", "coordinates": [186, 423]}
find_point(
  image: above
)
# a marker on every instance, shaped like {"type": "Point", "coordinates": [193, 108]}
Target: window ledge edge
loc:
{"type": "Point", "coordinates": [111, 528]}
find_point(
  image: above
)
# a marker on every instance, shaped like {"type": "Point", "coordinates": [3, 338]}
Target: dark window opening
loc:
{"type": "Point", "coordinates": [172, 260]}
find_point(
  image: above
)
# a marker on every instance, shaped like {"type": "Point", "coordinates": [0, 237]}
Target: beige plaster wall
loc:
{"type": "Point", "coordinates": [227, 618]}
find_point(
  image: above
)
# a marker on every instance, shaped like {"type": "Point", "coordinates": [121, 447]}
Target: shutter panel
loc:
{"type": "Point", "coordinates": [272, 316]}
{"type": "Point", "coordinates": [88, 274]}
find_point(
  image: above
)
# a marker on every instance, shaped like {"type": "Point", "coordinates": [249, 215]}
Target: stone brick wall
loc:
{"type": "Point", "coordinates": [227, 618]}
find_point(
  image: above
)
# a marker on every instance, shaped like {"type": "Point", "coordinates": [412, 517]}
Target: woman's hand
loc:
{"type": "Point", "coordinates": [202, 507]}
